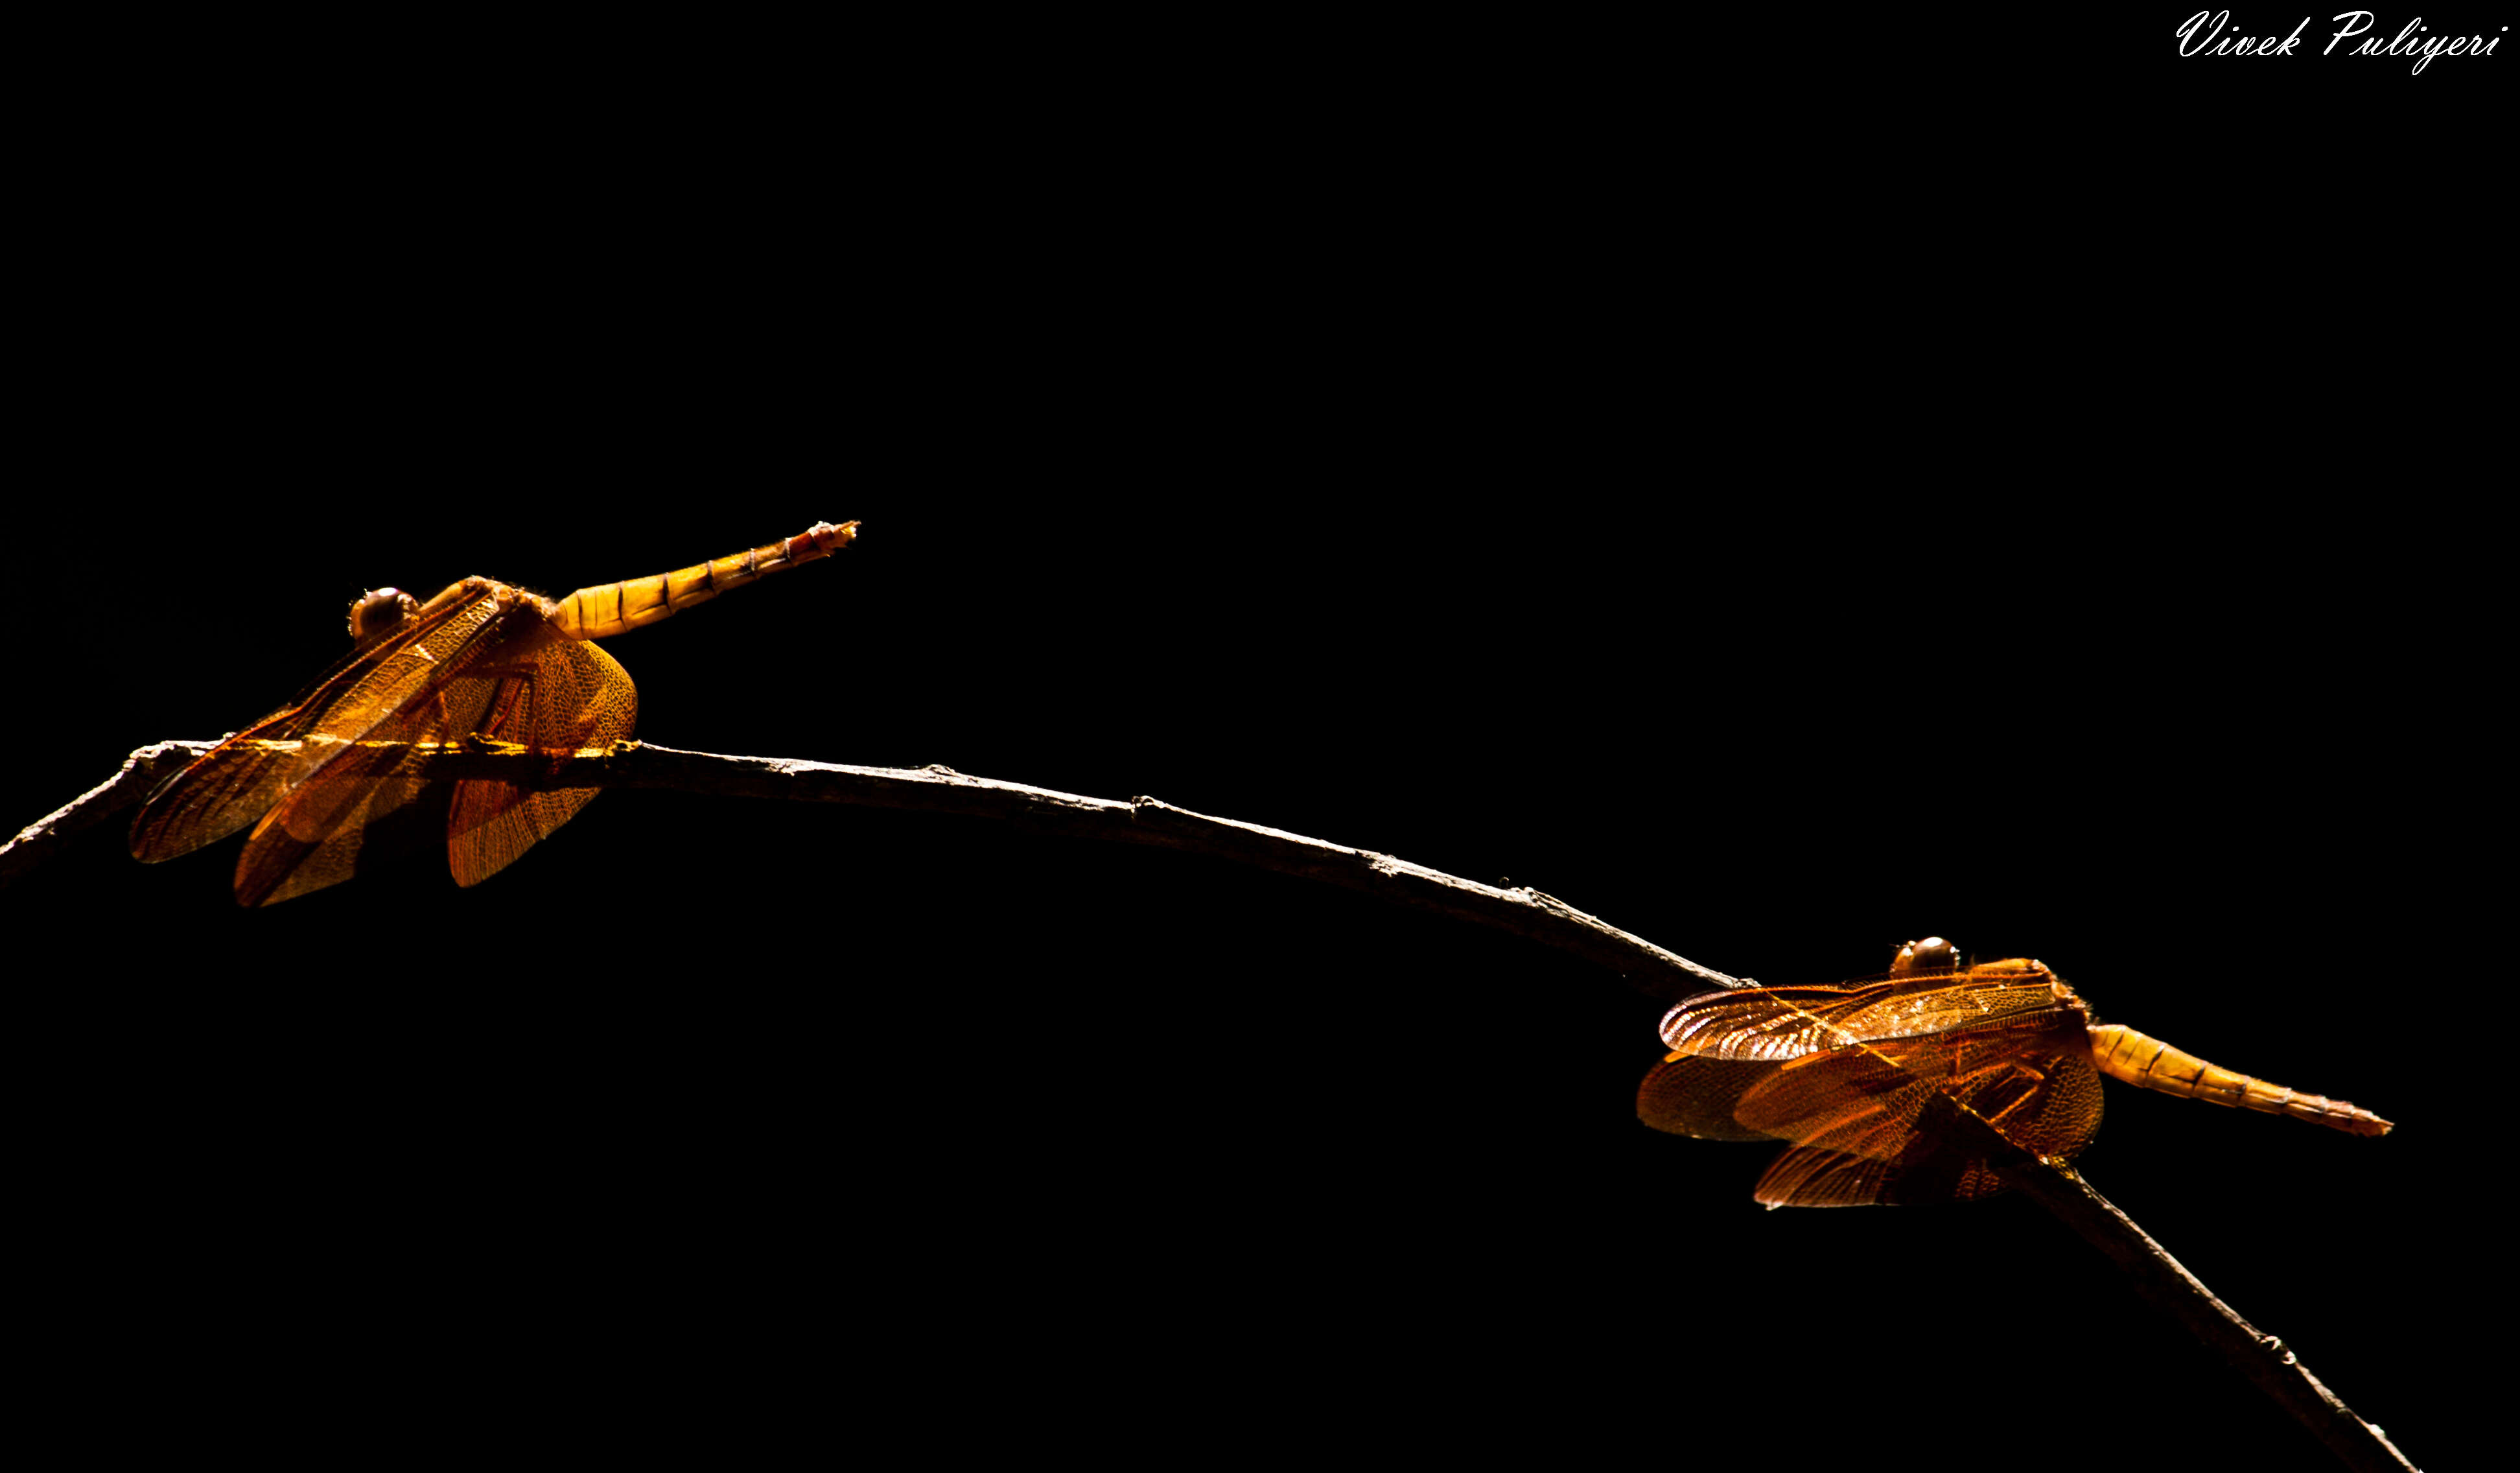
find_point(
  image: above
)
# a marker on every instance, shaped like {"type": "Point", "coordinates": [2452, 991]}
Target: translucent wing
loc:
{"type": "Point", "coordinates": [242, 779]}
{"type": "Point", "coordinates": [512, 680]}
{"type": "Point", "coordinates": [1871, 1124]}
{"type": "Point", "coordinates": [1864, 1082]}
{"type": "Point", "coordinates": [373, 808]}
{"type": "Point", "coordinates": [1787, 1023]}
{"type": "Point", "coordinates": [575, 697]}
{"type": "Point", "coordinates": [356, 772]}
{"type": "Point", "coordinates": [1698, 1096]}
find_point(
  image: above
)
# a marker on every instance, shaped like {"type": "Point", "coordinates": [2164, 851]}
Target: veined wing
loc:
{"type": "Point", "coordinates": [1692, 1095]}
{"type": "Point", "coordinates": [1777, 1024]}
{"type": "Point", "coordinates": [511, 678]}
{"type": "Point", "coordinates": [576, 697]}
{"type": "Point", "coordinates": [1726, 1044]}
{"type": "Point", "coordinates": [238, 781]}
{"type": "Point", "coordinates": [366, 802]}
{"type": "Point", "coordinates": [454, 633]}
{"type": "Point", "coordinates": [1872, 1123]}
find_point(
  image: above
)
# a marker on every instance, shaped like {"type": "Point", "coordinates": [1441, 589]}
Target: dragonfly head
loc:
{"type": "Point", "coordinates": [376, 611]}
{"type": "Point", "coordinates": [1931, 954]}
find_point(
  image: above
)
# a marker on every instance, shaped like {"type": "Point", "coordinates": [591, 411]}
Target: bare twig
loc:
{"type": "Point", "coordinates": [141, 772]}
{"type": "Point", "coordinates": [1521, 911]}
{"type": "Point", "coordinates": [2168, 1286]}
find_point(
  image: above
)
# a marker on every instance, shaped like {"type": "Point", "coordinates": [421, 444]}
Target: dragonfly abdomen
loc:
{"type": "Point", "coordinates": [2123, 1053]}
{"type": "Point", "coordinates": [610, 609]}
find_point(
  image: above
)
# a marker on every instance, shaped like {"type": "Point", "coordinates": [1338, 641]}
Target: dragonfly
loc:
{"type": "Point", "coordinates": [333, 778]}
{"type": "Point", "coordinates": [1864, 1082]}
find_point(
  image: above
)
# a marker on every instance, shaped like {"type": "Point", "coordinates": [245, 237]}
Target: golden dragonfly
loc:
{"type": "Point", "coordinates": [319, 778]}
{"type": "Point", "coordinates": [1863, 1082]}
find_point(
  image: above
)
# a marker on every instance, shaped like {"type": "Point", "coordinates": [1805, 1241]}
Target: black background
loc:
{"type": "Point", "coordinates": [1359, 469]}
{"type": "Point", "coordinates": [2320, 67]}
{"type": "Point", "coordinates": [790, 1081]}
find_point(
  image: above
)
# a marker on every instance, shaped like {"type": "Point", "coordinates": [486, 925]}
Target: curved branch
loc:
{"type": "Point", "coordinates": [141, 772]}
{"type": "Point", "coordinates": [1521, 911]}
{"type": "Point", "coordinates": [2157, 1276]}
{"type": "Point", "coordinates": [2167, 1285]}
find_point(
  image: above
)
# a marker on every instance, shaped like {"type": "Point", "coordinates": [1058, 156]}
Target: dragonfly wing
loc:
{"type": "Point", "coordinates": [1787, 1023]}
{"type": "Point", "coordinates": [240, 781]}
{"type": "Point", "coordinates": [378, 814]}
{"type": "Point", "coordinates": [493, 668]}
{"type": "Point", "coordinates": [458, 630]}
{"type": "Point", "coordinates": [1930, 1171]}
{"type": "Point", "coordinates": [220, 792]}
{"type": "Point", "coordinates": [1809, 1176]}
{"type": "Point", "coordinates": [1763, 1024]}
{"type": "Point", "coordinates": [1728, 1045]}
{"type": "Point", "coordinates": [368, 801]}
{"type": "Point", "coordinates": [1909, 1009]}
{"type": "Point", "coordinates": [571, 694]}
{"type": "Point", "coordinates": [1698, 1096]}
{"type": "Point", "coordinates": [350, 798]}
{"type": "Point", "coordinates": [1877, 1123]}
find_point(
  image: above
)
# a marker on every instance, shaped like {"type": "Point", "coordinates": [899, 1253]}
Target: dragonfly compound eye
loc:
{"type": "Point", "coordinates": [1930, 954]}
{"type": "Point", "coordinates": [379, 611]}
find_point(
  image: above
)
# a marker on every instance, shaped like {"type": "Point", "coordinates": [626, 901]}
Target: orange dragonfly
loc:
{"type": "Point", "coordinates": [324, 776]}
{"type": "Point", "coordinates": [1863, 1081]}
